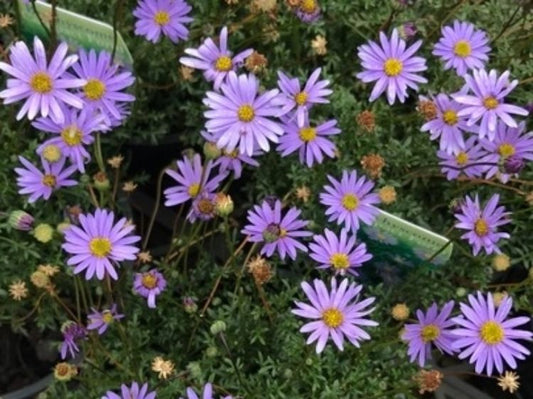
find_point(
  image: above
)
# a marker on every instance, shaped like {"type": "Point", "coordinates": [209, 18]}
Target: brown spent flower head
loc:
{"type": "Point", "coordinates": [5, 20]}
{"type": "Point", "coordinates": [186, 73]}
{"type": "Point", "coordinates": [428, 380]}
{"type": "Point", "coordinates": [65, 371]}
{"type": "Point", "coordinates": [115, 161]}
{"type": "Point", "coordinates": [144, 257]}
{"type": "Point", "coordinates": [509, 381]}
{"type": "Point", "coordinates": [263, 6]}
{"type": "Point", "coordinates": [40, 279]}
{"type": "Point", "coordinates": [366, 120]}
{"type": "Point", "coordinates": [427, 109]}
{"type": "Point", "coordinates": [303, 193]}
{"type": "Point", "coordinates": [18, 290]}
{"type": "Point", "coordinates": [501, 262]}
{"type": "Point", "coordinates": [49, 270]}
{"type": "Point", "coordinates": [165, 368]}
{"type": "Point", "coordinates": [387, 194]}
{"type": "Point", "coordinates": [129, 187]}
{"type": "Point", "coordinates": [256, 62]}
{"type": "Point", "coordinates": [400, 312]}
{"type": "Point", "coordinates": [373, 165]}
{"type": "Point", "coordinates": [223, 204]}
{"type": "Point", "coordinates": [318, 44]}
{"type": "Point", "coordinates": [260, 270]}
{"type": "Point", "coordinates": [271, 33]}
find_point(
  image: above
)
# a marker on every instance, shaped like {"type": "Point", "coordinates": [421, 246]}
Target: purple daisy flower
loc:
{"type": "Point", "coordinates": [105, 84]}
{"type": "Point", "coordinates": [277, 232]}
{"type": "Point", "coordinates": [350, 200]}
{"type": "Point", "coordinates": [487, 102]}
{"type": "Point", "coordinates": [72, 135]}
{"type": "Point", "coordinates": [203, 207]}
{"type": "Point", "coordinates": [41, 184]}
{"type": "Point", "coordinates": [338, 253]}
{"type": "Point", "coordinates": [149, 285]}
{"type": "Point", "coordinates": [72, 332]}
{"type": "Point", "coordinates": [310, 142]}
{"type": "Point", "coordinates": [231, 160]}
{"type": "Point", "coordinates": [487, 336]}
{"type": "Point", "coordinates": [239, 117]}
{"type": "Point", "coordinates": [482, 223]}
{"type": "Point", "coordinates": [162, 17]}
{"type": "Point", "coordinates": [193, 180]}
{"type": "Point", "coordinates": [433, 328]}
{"type": "Point", "coordinates": [392, 66]}
{"type": "Point", "coordinates": [293, 97]}
{"type": "Point", "coordinates": [508, 142]}
{"type": "Point", "coordinates": [133, 392]}
{"type": "Point", "coordinates": [308, 11]}
{"type": "Point", "coordinates": [447, 125]}
{"type": "Point", "coordinates": [215, 61]}
{"type": "Point", "coordinates": [99, 243]}
{"type": "Point", "coordinates": [206, 394]}
{"type": "Point", "coordinates": [337, 314]}
{"type": "Point", "coordinates": [101, 320]}
{"type": "Point", "coordinates": [462, 47]}
{"type": "Point", "coordinates": [44, 85]}
{"type": "Point", "coordinates": [469, 161]}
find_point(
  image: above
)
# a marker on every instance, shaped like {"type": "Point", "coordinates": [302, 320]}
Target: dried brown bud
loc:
{"type": "Point", "coordinates": [427, 109]}
{"type": "Point", "coordinates": [373, 165]}
{"type": "Point", "coordinates": [366, 121]}
{"type": "Point", "coordinates": [428, 380]}
{"type": "Point", "coordinates": [260, 269]}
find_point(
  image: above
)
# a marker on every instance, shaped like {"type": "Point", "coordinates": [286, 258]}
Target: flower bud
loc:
{"type": "Point", "coordinates": [211, 352]}
{"type": "Point", "coordinates": [101, 182]}
{"type": "Point", "coordinates": [211, 151]}
{"type": "Point", "coordinates": [217, 327]}
{"type": "Point", "coordinates": [195, 370]}
{"type": "Point", "coordinates": [223, 204]}
{"type": "Point", "coordinates": [20, 220]}
{"type": "Point", "coordinates": [513, 164]}
{"type": "Point", "coordinates": [190, 305]}
{"type": "Point", "coordinates": [62, 227]}
{"type": "Point", "coordinates": [43, 233]}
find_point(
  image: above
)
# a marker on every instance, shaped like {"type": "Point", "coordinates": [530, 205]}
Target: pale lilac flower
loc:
{"type": "Point", "coordinates": [392, 66]}
{"type": "Point", "coordinates": [462, 47]}
{"type": "Point", "coordinates": [471, 161]}
{"type": "Point", "coordinates": [487, 336]}
{"type": "Point", "coordinates": [149, 285]}
{"type": "Point", "coordinates": [433, 329]}
{"type": "Point", "coordinates": [203, 207]}
{"type": "Point", "coordinates": [486, 104]}
{"type": "Point", "coordinates": [72, 332]}
{"type": "Point", "coordinates": [101, 320]}
{"type": "Point", "coordinates": [39, 183]}
{"type": "Point", "coordinates": [133, 392]}
{"type": "Point", "coordinates": [43, 85]}
{"type": "Point", "coordinates": [162, 17]}
{"type": "Point", "coordinates": [98, 244]}
{"type": "Point", "coordinates": [482, 224]}
{"type": "Point", "coordinates": [337, 314]}
{"type": "Point", "coordinates": [215, 61]}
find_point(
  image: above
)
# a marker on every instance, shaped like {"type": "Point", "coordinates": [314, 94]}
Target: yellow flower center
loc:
{"type": "Point", "coordinates": [339, 260]}
{"type": "Point", "coordinates": [231, 154]}
{"type": "Point", "coordinates": [350, 201]}
{"type": "Point", "coordinates": [430, 333]}
{"type": "Point", "coordinates": [149, 281]}
{"type": "Point", "coordinates": [49, 180]}
{"type": "Point", "coordinates": [307, 134]}
{"type": "Point", "coordinates": [194, 189]}
{"type": "Point", "coordinates": [491, 333]}
{"type": "Point", "coordinates": [223, 64]}
{"type": "Point", "coordinates": [246, 113]}
{"type": "Point", "coordinates": [71, 135]}
{"type": "Point", "coordinates": [481, 227]}
{"type": "Point", "coordinates": [282, 232]}
{"type": "Point", "coordinates": [308, 6]}
{"type": "Point", "coordinates": [332, 317]}
{"type": "Point", "coordinates": [393, 67]}
{"type": "Point", "coordinates": [107, 317]}
{"type": "Point", "coordinates": [461, 158]}
{"type": "Point", "coordinates": [94, 89]}
{"type": "Point", "coordinates": [462, 49]}
{"type": "Point", "coordinates": [490, 102]}
{"type": "Point", "coordinates": [51, 153]}
{"type": "Point", "coordinates": [506, 150]}
{"type": "Point", "coordinates": [41, 83]}
{"type": "Point", "coordinates": [450, 117]}
{"type": "Point", "coordinates": [300, 98]}
{"type": "Point", "coordinates": [100, 247]}
{"type": "Point", "coordinates": [161, 18]}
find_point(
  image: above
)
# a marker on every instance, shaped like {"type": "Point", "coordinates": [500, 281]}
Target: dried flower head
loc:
{"type": "Point", "coordinates": [256, 62]}
{"type": "Point", "coordinates": [43, 233]}
{"type": "Point", "coordinates": [428, 380]}
{"type": "Point", "coordinates": [366, 120]}
{"type": "Point", "coordinates": [387, 194]}
{"type": "Point", "coordinates": [268, 6]}
{"type": "Point", "coordinates": [260, 270]}
{"type": "Point", "coordinates": [40, 279]}
{"type": "Point", "coordinates": [400, 312]}
{"type": "Point", "coordinates": [373, 165]}
{"type": "Point", "coordinates": [115, 161]}
{"type": "Point", "coordinates": [18, 290]}
{"type": "Point", "coordinates": [501, 262]}
{"type": "Point", "coordinates": [129, 187]}
{"type": "Point", "coordinates": [303, 193]}
{"type": "Point", "coordinates": [318, 44]}
{"type": "Point", "coordinates": [144, 257]}
{"type": "Point", "coordinates": [5, 20]}
{"type": "Point", "coordinates": [165, 368]}
{"type": "Point", "coordinates": [186, 73]}
{"type": "Point", "coordinates": [65, 371]}
{"type": "Point", "coordinates": [427, 109]}
{"type": "Point", "coordinates": [509, 381]}
{"type": "Point", "coordinates": [49, 270]}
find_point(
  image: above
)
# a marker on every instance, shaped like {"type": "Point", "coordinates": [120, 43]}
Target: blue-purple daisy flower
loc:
{"type": "Point", "coordinates": [100, 321]}
{"type": "Point", "coordinates": [482, 224]}
{"type": "Point", "coordinates": [471, 161]}
{"type": "Point", "coordinates": [393, 66]}
{"type": "Point", "coordinates": [462, 47]}
{"type": "Point", "coordinates": [278, 232]}
{"type": "Point", "coordinates": [131, 392]}
{"type": "Point", "coordinates": [487, 336]}
{"type": "Point", "coordinates": [350, 200]}
{"type": "Point", "coordinates": [215, 61]}
{"type": "Point", "coordinates": [72, 334]}
{"type": "Point", "coordinates": [156, 18]}
{"type": "Point", "coordinates": [149, 285]}
{"type": "Point", "coordinates": [42, 84]}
